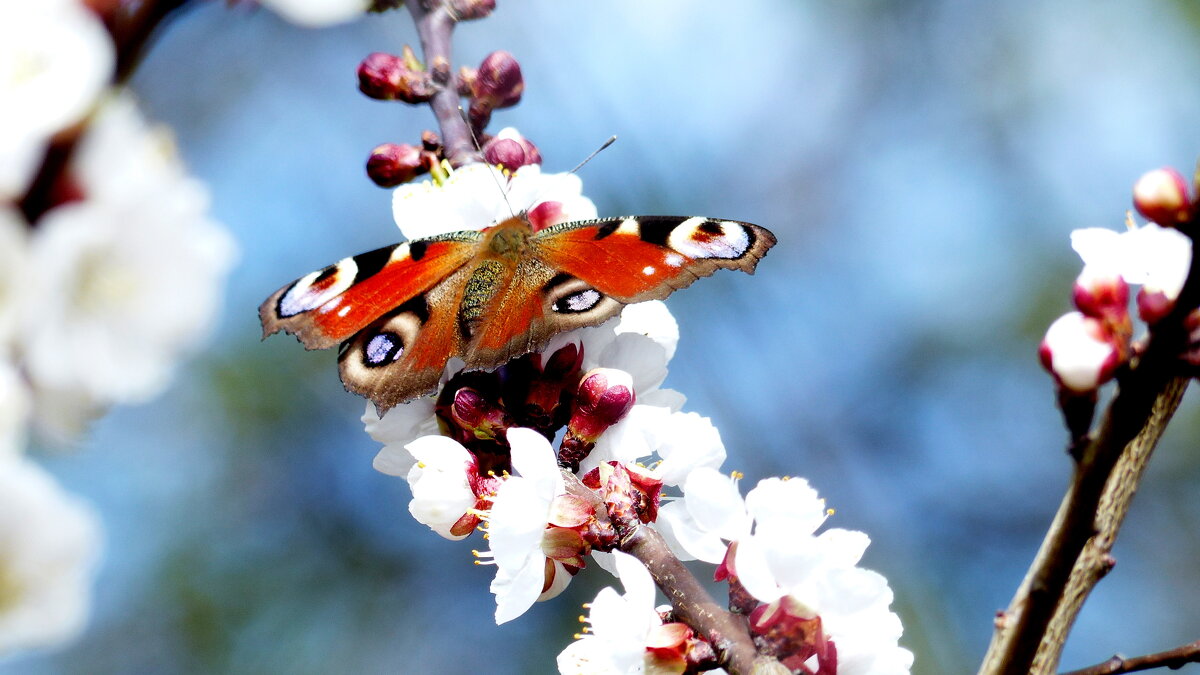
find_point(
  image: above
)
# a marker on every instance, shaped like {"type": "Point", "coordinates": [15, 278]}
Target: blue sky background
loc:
{"type": "Point", "coordinates": [922, 164]}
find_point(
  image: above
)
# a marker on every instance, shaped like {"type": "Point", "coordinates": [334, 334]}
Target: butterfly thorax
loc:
{"type": "Point", "coordinates": [508, 239]}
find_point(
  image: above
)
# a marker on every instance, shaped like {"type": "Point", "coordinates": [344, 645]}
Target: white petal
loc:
{"type": "Point", "coordinates": [713, 500]}
{"type": "Point", "coordinates": [516, 589]}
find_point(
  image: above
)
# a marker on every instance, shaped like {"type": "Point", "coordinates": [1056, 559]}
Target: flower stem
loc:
{"type": "Point", "coordinates": [727, 633]}
{"type": "Point", "coordinates": [434, 27]}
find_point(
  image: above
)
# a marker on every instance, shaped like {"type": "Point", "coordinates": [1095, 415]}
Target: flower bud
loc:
{"type": "Point", "coordinates": [1101, 293]}
{"type": "Point", "coordinates": [1080, 353]}
{"type": "Point", "coordinates": [1162, 196]}
{"type": "Point", "coordinates": [1153, 305]}
{"type": "Point", "coordinates": [478, 416]}
{"type": "Point", "coordinates": [498, 81]}
{"type": "Point", "coordinates": [605, 395]}
{"type": "Point", "coordinates": [390, 164]}
{"type": "Point", "coordinates": [388, 77]}
{"type": "Point", "coordinates": [506, 153]}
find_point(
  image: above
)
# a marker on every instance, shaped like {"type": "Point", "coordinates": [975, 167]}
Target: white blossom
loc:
{"type": "Point", "coordinates": [477, 196]}
{"type": "Point", "coordinates": [49, 546]}
{"type": "Point", "coordinates": [55, 59]}
{"type": "Point", "coordinates": [517, 520]}
{"type": "Point", "coordinates": [439, 471]}
{"type": "Point", "coordinates": [1076, 351]}
{"type": "Point", "coordinates": [1154, 257]}
{"type": "Point", "coordinates": [318, 13]}
{"type": "Point", "coordinates": [125, 282]}
{"type": "Point", "coordinates": [620, 626]}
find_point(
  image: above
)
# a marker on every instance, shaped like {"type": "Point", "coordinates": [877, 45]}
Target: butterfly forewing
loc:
{"type": "Point", "coordinates": [646, 258]}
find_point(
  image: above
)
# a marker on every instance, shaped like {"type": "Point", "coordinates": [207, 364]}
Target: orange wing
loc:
{"type": "Point", "coordinates": [330, 305]}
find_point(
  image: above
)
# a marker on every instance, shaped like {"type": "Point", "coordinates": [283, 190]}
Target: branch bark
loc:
{"type": "Point", "coordinates": [1095, 504]}
{"type": "Point", "coordinates": [435, 24]}
{"type": "Point", "coordinates": [1173, 659]}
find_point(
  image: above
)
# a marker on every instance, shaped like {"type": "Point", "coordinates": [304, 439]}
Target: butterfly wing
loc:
{"type": "Point", "coordinates": [648, 258]}
{"type": "Point", "coordinates": [582, 273]}
{"type": "Point", "coordinates": [328, 306]}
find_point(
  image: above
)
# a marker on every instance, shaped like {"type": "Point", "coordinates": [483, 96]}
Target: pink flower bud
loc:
{"type": "Point", "coordinates": [498, 81]}
{"type": "Point", "coordinates": [388, 77]}
{"type": "Point", "coordinates": [390, 164]}
{"type": "Point", "coordinates": [478, 416]}
{"type": "Point", "coordinates": [1080, 353]}
{"type": "Point", "coordinates": [1162, 196]}
{"type": "Point", "coordinates": [504, 152]}
{"type": "Point", "coordinates": [1101, 293]}
{"type": "Point", "coordinates": [378, 75]}
{"type": "Point", "coordinates": [605, 395]}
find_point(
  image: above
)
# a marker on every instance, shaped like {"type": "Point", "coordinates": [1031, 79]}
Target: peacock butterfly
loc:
{"type": "Point", "coordinates": [401, 312]}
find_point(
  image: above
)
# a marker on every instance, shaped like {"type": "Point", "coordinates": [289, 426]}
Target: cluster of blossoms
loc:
{"type": "Point", "coordinates": [479, 455]}
{"type": "Point", "coordinates": [110, 272]}
{"type": "Point", "coordinates": [1085, 348]}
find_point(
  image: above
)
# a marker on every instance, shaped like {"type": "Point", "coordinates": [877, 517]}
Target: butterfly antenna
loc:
{"type": "Point", "coordinates": [610, 141]}
{"type": "Point", "coordinates": [479, 148]}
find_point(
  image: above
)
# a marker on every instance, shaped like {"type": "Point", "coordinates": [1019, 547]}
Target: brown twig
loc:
{"type": "Point", "coordinates": [435, 24]}
{"type": "Point", "coordinates": [727, 633]}
{"type": "Point", "coordinates": [1173, 659]}
{"type": "Point", "coordinates": [1147, 386]}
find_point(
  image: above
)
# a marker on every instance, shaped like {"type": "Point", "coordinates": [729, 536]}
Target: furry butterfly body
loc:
{"type": "Point", "coordinates": [400, 313]}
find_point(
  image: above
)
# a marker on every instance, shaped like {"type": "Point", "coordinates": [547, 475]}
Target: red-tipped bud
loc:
{"type": "Point", "coordinates": [478, 416]}
{"type": "Point", "coordinates": [1100, 293]}
{"type": "Point", "coordinates": [1080, 353]}
{"type": "Point", "coordinates": [1162, 196]}
{"type": "Point", "coordinates": [504, 152]}
{"type": "Point", "coordinates": [605, 395]}
{"type": "Point", "coordinates": [465, 10]}
{"type": "Point", "coordinates": [511, 150]}
{"type": "Point", "coordinates": [498, 81]}
{"type": "Point", "coordinates": [391, 164]}
{"type": "Point", "coordinates": [388, 77]}
{"type": "Point", "coordinates": [1153, 305]}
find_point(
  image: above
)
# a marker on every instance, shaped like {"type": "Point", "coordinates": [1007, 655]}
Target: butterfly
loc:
{"type": "Point", "coordinates": [401, 312]}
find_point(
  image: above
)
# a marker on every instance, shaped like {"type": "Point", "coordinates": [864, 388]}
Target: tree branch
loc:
{"type": "Point", "coordinates": [1173, 659]}
{"type": "Point", "coordinates": [1132, 425]}
{"type": "Point", "coordinates": [727, 633]}
{"type": "Point", "coordinates": [434, 26]}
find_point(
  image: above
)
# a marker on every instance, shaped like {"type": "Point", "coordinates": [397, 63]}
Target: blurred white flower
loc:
{"type": "Point", "coordinates": [318, 13]}
{"type": "Point", "coordinates": [14, 410]}
{"type": "Point", "coordinates": [517, 521]}
{"type": "Point", "coordinates": [14, 255]}
{"type": "Point", "coordinates": [125, 282]}
{"type": "Point", "coordinates": [474, 197]}
{"type": "Point", "coordinates": [1079, 353]}
{"type": "Point", "coordinates": [49, 547]}
{"type": "Point", "coordinates": [55, 59]}
{"type": "Point", "coordinates": [620, 626]}
{"type": "Point", "coordinates": [1154, 257]}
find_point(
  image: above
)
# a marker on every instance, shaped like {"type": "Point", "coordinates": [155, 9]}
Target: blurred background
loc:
{"type": "Point", "coordinates": [922, 164]}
